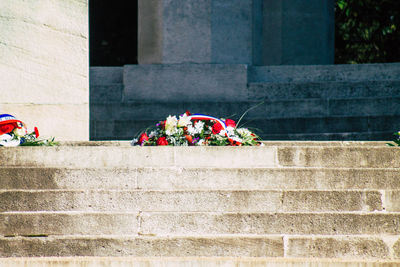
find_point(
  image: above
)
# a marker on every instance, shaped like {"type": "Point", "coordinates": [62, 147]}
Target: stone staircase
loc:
{"type": "Point", "coordinates": [332, 202]}
{"type": "Point", "coordinates": [324, 102]}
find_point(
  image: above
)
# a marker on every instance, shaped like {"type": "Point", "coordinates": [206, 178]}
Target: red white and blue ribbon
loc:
{"type": "Point", "coordinates": [207, 118]}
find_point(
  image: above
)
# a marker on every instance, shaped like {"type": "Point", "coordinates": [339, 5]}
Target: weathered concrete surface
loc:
{"type": "Point", "coordinates": [190, 261]}
{"type": "Point", "coordinates": [44, 65]}
{"type": "Point", "coordinates": [142, 246]}
{"type": "Point", "coordinates": [178, 178]}
{"type": "Point", "coordinates": [221, 157]}
{"type": "Point", "coordinates": [338, 247]}
{"type": "Point", "coordinates": [50, 224]}
{"type": "Point", "coordinates": [196, 224]}
{"type": "Point", "coordinates": [378, 157]}
{"type": "Point", "coordinates": [184, 82]}
{"type": "Point", "coordinates": [125, 157]}
{"type": "Point", "coordinates": [191, 200]}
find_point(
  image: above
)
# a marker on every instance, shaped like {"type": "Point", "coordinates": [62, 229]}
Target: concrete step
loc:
{"type": "Point", "coordinates": [323, 90]}
{"type": "Point", "coordinates": [313, 73]}
{"type": "Point", "coordinates": [339, 247]}
{"type": "Point", "coordinates": [311, 128]}
{"type": "Point", "coordinates": [270, 109]}
{"type": "Point", "coordinates": [44, 224]}
{"type": "Point", "coordinates": [199, 201]}
{"type": "Point", "coordinates": [201, 157]}
{"type": "Point", "coordinates": [182, 178]}
{"type": "Point", "coordinates": [192, 261]}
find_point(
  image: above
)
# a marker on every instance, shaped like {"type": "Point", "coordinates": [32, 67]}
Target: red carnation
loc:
{"type": "Point", "coordinates": [188, 113]}
{"type": "Point", "coordinates": [216, 128]}
{"type": "Point", "coordinates": [162, 141]}
{"type": "Point", "coordinates": [36, 132]}
{"type": "Point", "coordinates": [230, 123]}
{"type": "Point", "coordinates": [7, 128]}
{"type": "Point", "coordinates": [143, 137]}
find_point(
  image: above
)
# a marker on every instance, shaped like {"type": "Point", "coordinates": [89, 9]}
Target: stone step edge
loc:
{"type": "Point", "coordinates": [270, 143]}
{"type": "Point", "coordinates": [198, 261]}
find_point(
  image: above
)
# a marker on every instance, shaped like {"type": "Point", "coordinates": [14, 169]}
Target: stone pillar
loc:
{"type": "Point", "coordinates": [195, 31]}
{"type": "Point", "coordinates": [44, 65]}
{"type": "Point", "coordinates": [254, 32]}
{"type": "Point", "coordinates": [298, 32]}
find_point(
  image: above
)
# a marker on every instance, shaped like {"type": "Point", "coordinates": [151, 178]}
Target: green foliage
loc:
{"type": "Point", "coordinates": [367, 31]}
{"type": "Point", "coordinates": [397, 141]}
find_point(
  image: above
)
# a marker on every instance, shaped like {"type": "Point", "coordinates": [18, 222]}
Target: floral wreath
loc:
{"type": "Point", "coordinates": [197, 130]}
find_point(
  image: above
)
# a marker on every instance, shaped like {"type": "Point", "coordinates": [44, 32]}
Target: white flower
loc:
{"type": "Point", "coordinates": [222, 133]}
{"type": "Point", "coordinates": [7, 140]}
{"type": "Point", "coordinates": [230, 130]}
{"type": "Point", "coordinates": [184, 121]}
{"type": "Point", "coordinates": [170, 125]}
{"type": "Point", "coordinates": [243, 132]}
{"type": "Point", "coordinates": [20, 132]}
{"type": "Point", "coordinates": [152, 134]}
{"type": "Point", "coordinates": [200, 142]}
{"type": "Point", "coordinates": [134, 141]}
{"type": "Point", "coordinates": [199, 126]}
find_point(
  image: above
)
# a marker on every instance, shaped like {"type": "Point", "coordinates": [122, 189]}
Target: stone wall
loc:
{"type": "Point", "coordinates": [44, 65]}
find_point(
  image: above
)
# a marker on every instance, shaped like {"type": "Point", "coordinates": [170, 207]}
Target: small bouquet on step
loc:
{"type": "Point", "coordinates": [13, 132]}
{"type": "Point", "coordinates": [197, 130]}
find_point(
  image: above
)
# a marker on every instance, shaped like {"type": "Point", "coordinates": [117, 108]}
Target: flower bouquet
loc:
{"type": "Point", "coordinates": [197, 130]}
{"type": "Point", "coordinates": [13, 132]}
{"type": "Point", "coordinates": [396, 141]}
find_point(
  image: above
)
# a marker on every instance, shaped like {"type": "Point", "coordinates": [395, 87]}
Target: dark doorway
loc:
{"type": "Point", "coordinates": [113, 32]}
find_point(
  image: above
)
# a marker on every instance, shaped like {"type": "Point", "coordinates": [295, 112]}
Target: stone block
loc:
{"type": "Point", "coordinates": [65, 178]}
{"type": "Point", "coordinates": [324, 90]}
{"type": "Point", "coordinates": [50, 224]}
{"type": "Point", "coordinates": [392, 200]}
{"type": "Point", "coordinates": [45, 65]}
{"type": "Point", "coordinates": [364, 106]}
{"type": "Point", "coordinates": [231, 31]}
{"type": "Point", "coordinates": [185, 82]}
{"type": "Point", "coordinates": [142, 246]}
{"type": "Point", "coordinates": [105, 94]}
{"type": "Point", "coordinates": [325, 73]}
{"type": "Point", "coordinates": [265, 178]}
{"type": "Point", "coordinates": [62, 121]}
{"type": "Point", "coordinates": [351, 157]}
{"type": "Point", "coordinates": [338, 247]}
{"type": "Point", "coordinates": [302, 108]}
{"type": "Point", "coordinates": [106, 75]}
{"type": "Point", "coordinates": [164, 224]}
{"type": "Point", "coordinates": [205, 31]}
{"type": "Point", "coordinates": [305, 126]}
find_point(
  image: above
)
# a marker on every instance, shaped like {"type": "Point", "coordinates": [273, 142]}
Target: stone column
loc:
{"type": "Point", "coordinates": [195, 31]}
{"type": "Point", "coordinates": [254, 32]}
{"type": "Point", "coordinates": [298, 32]}
{"type": "Point", "coordinates": [44, 65]}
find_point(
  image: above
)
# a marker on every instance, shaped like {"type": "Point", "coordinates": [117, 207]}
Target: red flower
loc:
{"type": "Point", "coordinates": [188, 113]}
{"type": "Point", "coordinates": [216, 128]}
{"type": "Point", "coordinates": [189, 138]}
{"type": "Point", "coordinates": [143, 137]}
{"type": "Point", "coordinates": [7, 128]}
{"type": "Point", "coordinates": [162, 141]}
{"type": "Point", "coordinates": [36, 132]}
{"type": "Point", "coordinates": [230, 123]}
